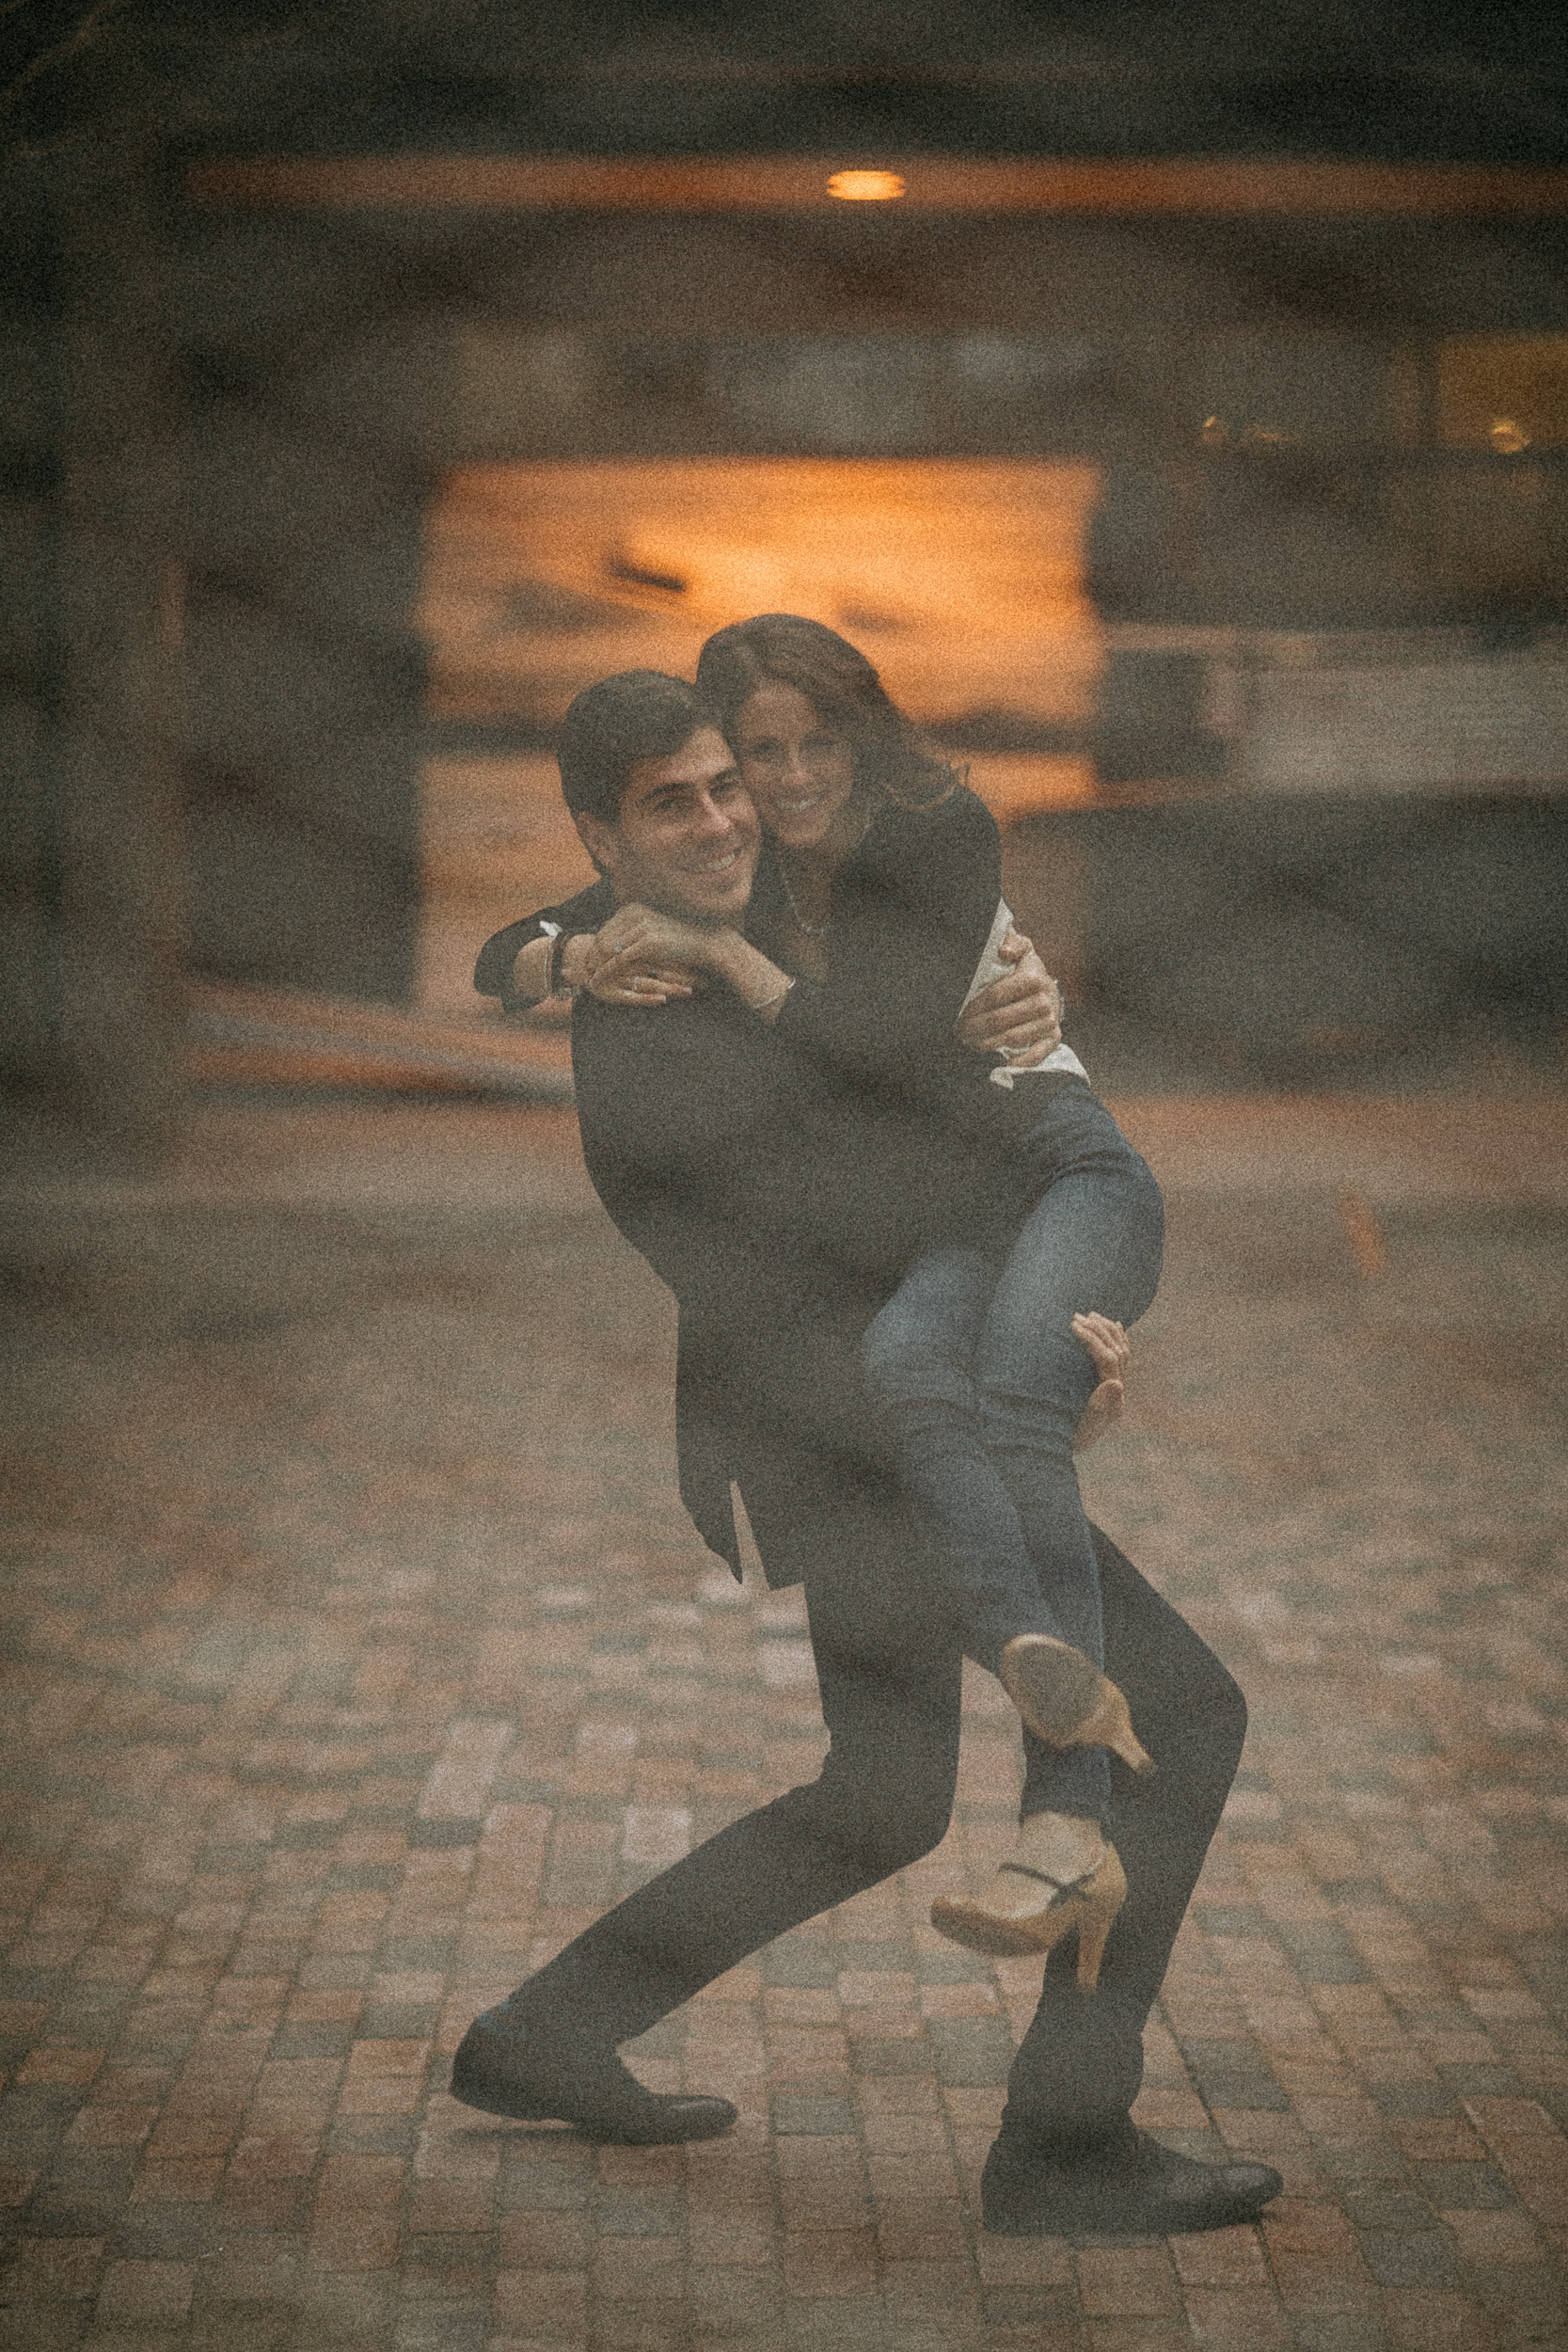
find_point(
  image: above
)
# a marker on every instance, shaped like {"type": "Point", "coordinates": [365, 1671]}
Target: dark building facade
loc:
{"type": "Point", "coordinates": [1313, 351]}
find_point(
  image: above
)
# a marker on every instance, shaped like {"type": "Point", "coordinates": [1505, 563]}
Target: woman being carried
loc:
{"type": "Point", "coordinates": [875, 919]}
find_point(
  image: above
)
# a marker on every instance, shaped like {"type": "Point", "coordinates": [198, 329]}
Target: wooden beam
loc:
{"type": "Point", "coordinates": [933, 183]}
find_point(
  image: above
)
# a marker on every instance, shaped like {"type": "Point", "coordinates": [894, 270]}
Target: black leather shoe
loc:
{"type": "Point", "coordinates": [501, 2068]}
{"type": "Point", "coordinates": [1132, 2188]}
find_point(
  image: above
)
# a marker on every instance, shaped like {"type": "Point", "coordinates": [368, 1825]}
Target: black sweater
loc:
{"type": "Point", "coordinates": [912, 907]}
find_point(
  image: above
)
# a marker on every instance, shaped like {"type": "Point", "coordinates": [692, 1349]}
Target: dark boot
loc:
{"type": "Point", "coordinates": [504, 2067]}
{"type": "Point", "coordinates": [1127, 2185]}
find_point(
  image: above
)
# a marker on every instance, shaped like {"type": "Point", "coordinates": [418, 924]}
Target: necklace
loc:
{"type": "Point", "coordinates": [811, 930]}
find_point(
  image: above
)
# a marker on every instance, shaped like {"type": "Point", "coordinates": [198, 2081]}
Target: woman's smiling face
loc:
{"type": "Point", "coordinates": [798, 770]}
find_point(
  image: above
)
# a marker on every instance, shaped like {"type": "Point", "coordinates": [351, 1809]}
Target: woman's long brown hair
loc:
{"type": "Point", "coordinates": [842, 687]}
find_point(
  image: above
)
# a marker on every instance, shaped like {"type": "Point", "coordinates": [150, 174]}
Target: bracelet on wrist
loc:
{"type": "Point", "coordinates": [528, 998]}
{"type": "Point", "coordinates": [558, 984]}
{"type": "Point", "coordinates": [760, 1004]}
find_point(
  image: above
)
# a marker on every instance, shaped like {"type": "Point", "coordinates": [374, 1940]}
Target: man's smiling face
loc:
{"type": "Point", "coordinates": [686, 838]}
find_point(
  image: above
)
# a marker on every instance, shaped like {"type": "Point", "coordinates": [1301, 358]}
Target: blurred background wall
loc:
{"type": "Point", "coordinates": [1188, 442]}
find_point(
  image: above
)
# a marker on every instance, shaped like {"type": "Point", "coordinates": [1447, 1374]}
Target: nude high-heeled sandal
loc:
{"type": "Point", "coordinates": [1011, 1922]}
{"type": "Point", "coordinates": [1066, 1700]}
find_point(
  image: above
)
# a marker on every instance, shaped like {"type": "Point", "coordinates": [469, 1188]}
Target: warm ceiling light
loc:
{"type": "Point", "coordinates": [865, 187]}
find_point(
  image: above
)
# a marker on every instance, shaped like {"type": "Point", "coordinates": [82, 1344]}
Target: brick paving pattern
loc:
{"type": "Point", "coordinates": [359, 1652]}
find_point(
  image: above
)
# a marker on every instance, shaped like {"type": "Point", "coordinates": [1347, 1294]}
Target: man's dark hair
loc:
{"type": "Point", "coordinates": [636, 714]}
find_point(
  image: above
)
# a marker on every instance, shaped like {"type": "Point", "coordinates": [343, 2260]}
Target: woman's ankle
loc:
{"type": "Point", "coordinates": [1064, 1846]}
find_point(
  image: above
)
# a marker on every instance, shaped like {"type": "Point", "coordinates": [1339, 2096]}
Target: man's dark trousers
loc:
{"type": "Point", "coordinates": [889, 1671]}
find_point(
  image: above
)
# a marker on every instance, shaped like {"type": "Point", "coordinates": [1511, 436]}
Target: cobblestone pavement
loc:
{"type": "Point", "coordinates": [361, 1653]}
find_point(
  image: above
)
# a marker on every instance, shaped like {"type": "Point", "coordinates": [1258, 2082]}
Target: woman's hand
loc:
{"type": "Point", "coordinates": [647, 958]}
{"type": "Point", "coordinates": [1021, 1014]}
{"type": "Point", "coordinates": [1111, 1353]}
{"type": "Point", "coordinates": [639, 957]}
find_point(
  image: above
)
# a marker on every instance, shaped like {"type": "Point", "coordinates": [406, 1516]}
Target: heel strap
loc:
{"type": "Point", "coordinates": [1062, 1887]}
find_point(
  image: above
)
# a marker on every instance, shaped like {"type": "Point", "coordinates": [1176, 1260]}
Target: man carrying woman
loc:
{"type": "Point", "coordinates": [783, 1175]}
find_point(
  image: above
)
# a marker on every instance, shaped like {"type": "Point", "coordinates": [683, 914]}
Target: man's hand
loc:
{"type": "Point", "coordinates": [1111, 1353]}
{"type": "Point", "coordinates": [1020, 1015]}
{"type": "Point", "coordinates": [639, 957]}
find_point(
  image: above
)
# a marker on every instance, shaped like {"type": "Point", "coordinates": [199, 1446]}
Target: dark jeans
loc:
{"type": "Point", "coordinates": [974, 1369]}
{"type": "Point", "coordinates": [887, 1663]}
